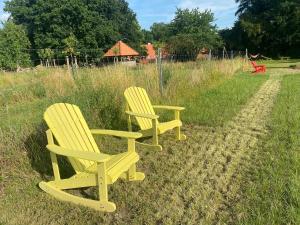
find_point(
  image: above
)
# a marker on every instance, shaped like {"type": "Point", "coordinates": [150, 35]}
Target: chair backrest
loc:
{"type": "Point", "coordinates": [139, 102]}
{"type": "Point", "coordinates": [71, 131]}
{"type": "Point", "coordinates": [254, 63]}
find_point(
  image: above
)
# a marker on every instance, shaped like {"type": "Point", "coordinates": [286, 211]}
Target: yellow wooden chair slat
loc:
{"type": "Point", "coordinates": [93, 168]}
{"type": "Point", "coordinates": [57, 125]}
{"type": "Point", "coordinates": [140, 107]}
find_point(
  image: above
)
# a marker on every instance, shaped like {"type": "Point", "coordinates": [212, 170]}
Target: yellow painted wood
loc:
{"type": "Point", "coordinates": [102, 182]}
{"type": "Point", "coordinates": [139, 106]}
{"type": "Point", "coordinates": [123, 134]}
{"type": "Point", "coordinates": [53, 156]}
{"type": "Point", "coordinates": [166, 107]}
{"type": "Point", "coordinates": [64, 196]}
{"type": "Point", "coordinates": [139, 102]}
{"type": "Point", "coordinates": [91, 156]}
{"type": "Point", "coordinates": [148, 116]}
{"type": "Point", "coordinates": [93, 168]}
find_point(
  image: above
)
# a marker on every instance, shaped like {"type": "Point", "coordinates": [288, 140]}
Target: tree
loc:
{"type": "Point", "coordinates": [160, 32]}
{"type": "Point", "coordinates": [270, 26]}
{"type": "Point", "coordinates": [13, 47]}
{"type": "Point", "coordinates": [46, 56]}
{"type": "Point", "coordinates": [185, 46]}
{"type": "Point", "coordinates": [96, 24]}
{"type": "Point", "coordinates": [147, 36]}
{"type": "Point", "coordinates": [192, 30]}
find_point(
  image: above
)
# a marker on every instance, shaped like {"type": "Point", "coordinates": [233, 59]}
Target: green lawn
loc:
{"type": "Point", "coordinates": [270, 193]}
{"type": "Point", "coordinates": [215, 106]}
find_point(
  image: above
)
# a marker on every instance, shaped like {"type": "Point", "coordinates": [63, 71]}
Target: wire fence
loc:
{"type": "Point", "coordinates": [94, 57]}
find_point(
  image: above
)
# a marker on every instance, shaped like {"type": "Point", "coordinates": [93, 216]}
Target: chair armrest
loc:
{"type": "Point", "coordinates": [122, 134]}
{"type": "Point", "coordinates": [147, 116]}
{"type": "Point", "coordinates": [166, 107]}
{"type": "Point", "coordinates": [91, 156]}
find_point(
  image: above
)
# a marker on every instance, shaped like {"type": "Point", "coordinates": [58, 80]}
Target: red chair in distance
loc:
{"type": "Point", "coordinates": [258, 68]}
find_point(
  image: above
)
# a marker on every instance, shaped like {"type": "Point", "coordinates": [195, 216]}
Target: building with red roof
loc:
{"type": "Point", "coordinates": [151, 54]}
{"type": "Point", "coordinates": [120, 49]}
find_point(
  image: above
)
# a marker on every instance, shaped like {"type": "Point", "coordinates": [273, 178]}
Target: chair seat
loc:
{"type": "Point", "coordinates": [163, 127]}
{"type": "Point", "coordinates": [117, 165]}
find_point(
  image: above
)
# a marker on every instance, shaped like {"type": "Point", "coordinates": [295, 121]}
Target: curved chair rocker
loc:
{"type": "Point", "coordinates": [139, 106]}
{"type": "Point", "coordinates": [92, 168]}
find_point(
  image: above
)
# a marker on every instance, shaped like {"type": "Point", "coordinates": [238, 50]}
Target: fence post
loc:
{"type": "Point", "coordinates": [75, 61]}
{"type": "Point", "coordinates": [209, 55]}
{"type": "Point", "coordinates": [159, 65]}
{"type": "Point", "coordinates": [223, 53]}
{"type": "Point", "coordinates": [68, 67]}
{"type": "Point", "coordinates": [86, 60]}
{"type": "Point", "coordinates": [246, 53]}
{"type": "Point", "coordinates": [68, 62]}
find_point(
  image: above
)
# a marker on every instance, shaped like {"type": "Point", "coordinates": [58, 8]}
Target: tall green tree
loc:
{"type": "Point", "coordinates": [192, 30]}
{"type": "Point", "coordinates": [13, 47]}
{"type": "Point", "coordinates": [160, 32]}
{"type": "Point", "coordinates": [271, 26]}
{"type": "Point", "coordinates": [96, 24]}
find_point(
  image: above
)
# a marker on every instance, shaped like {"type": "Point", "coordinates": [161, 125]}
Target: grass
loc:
{"type": "Point", "coordinates": [271, 190]}
{"type": "Point", "coordinates": [215, 106]}
{"type": "Point", "coordinates": [213, 94]}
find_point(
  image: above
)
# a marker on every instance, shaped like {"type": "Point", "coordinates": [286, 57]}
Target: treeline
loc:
{"type": "Point", "coordinates": [88, 28]}
{"type": "Point", "coordinates": [78, 26]}
{"type": "Point", "coordinates": [186, 34]}
{"type": "Point", "coordinates": [269, 27]}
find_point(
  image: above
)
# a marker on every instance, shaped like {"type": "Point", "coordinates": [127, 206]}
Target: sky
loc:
{"type": "Point", "coordinates": [3, 15]}
{"type": "Point", "coordinates": [150, 11]}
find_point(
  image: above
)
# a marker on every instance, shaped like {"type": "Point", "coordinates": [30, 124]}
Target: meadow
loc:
{"type": "Point", "coordinates": [241, 160]}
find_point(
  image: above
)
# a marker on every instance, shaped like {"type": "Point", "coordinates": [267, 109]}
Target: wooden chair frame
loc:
{"type": "Point", "coordinates": [157, 128]}
{"type": "Point", "coordinates": [98, 175]}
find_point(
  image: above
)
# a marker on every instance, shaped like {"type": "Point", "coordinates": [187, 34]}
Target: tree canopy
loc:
{"type": "Point", "coordinates": [192, 30]}
{"type": "Point", "coordinates": [96, 24]}
{"type": "Point", "coordinates": [267, 26]}
{"type": "Point", "coordinates": [13, 41]}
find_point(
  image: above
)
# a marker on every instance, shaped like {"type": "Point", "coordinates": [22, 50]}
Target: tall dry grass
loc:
{"type": "Point", "coordinates": [180, 79]}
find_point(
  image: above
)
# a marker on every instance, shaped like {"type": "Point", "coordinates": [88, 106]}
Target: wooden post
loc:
{"type": "Point", "coordinates": [231, 53]}
{"type": "Point", "coordinates": [223, 53]}
{"type": "Point", "coordinates": [246, 53]}
{"type": "Point", "coordinates": [68, 62]}
{"type": "Point", "coordinates": [159, 64]}
{"type": "Point", "coordinates": [75, 62]}
{"type": "Point", "coordinates": [209, 55]}
{"type": "Point", "coordinates": [86, 60]}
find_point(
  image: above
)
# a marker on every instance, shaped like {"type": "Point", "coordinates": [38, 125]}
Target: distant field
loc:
{"type": "Point", "coordinates": [239, 165]}
{"type": "Point", "coordinates": [281, 63]}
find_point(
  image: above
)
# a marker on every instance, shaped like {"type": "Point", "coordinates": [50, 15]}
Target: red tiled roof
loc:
{"type": "Point", "coordinates": [150, 51]}
{"type": "Point", "coordinates": [121, 49]}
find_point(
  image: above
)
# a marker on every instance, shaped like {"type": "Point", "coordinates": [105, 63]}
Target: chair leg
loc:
{"type": "Point", "coordinates": [179, 135]}
{"type": "Point", "coordinates": [102, 185]}
{"type": "Point", "coordinates": [135, 176]}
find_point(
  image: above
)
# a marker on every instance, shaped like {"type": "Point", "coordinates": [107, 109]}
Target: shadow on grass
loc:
{"type": "Point", "coordinates": [39, 156]}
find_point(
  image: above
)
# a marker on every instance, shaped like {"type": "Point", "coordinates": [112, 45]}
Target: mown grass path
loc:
{"type": "Point", "coordinates": [214, 158]}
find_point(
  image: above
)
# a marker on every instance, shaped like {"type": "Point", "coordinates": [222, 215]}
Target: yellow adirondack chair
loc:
{"type": "Point", "coordinates": [140, 107]}
{"type": "Point", "coordinates": [92, 168]}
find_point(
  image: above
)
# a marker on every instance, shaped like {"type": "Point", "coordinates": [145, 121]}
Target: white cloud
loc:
{"type": "Point", "coordinates": [214, 5]}
{"type": "Point", "coordinates": [4, 16]}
